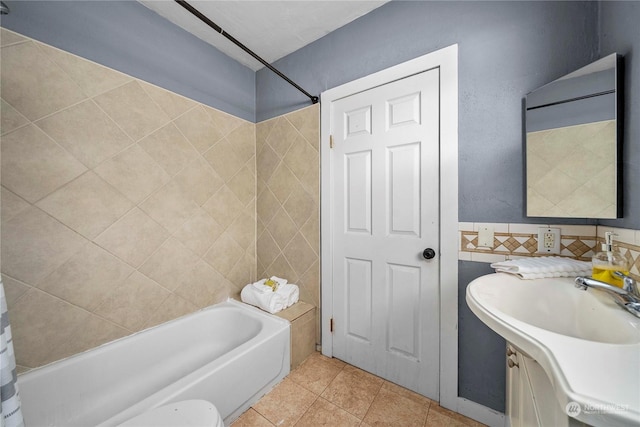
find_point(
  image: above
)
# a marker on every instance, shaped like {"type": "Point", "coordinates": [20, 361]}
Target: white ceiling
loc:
{"type": "Point", "coordinates": [272, 29]}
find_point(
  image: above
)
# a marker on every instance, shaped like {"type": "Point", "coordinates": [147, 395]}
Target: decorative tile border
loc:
{"type": "Point", "coordinates": [513, 241]}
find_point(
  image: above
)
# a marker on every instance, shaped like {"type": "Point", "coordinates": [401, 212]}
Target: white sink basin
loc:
{"type": "Point", "coordinates": [587, 345]}
{"type": "Point", "coordinates": [558, 306]}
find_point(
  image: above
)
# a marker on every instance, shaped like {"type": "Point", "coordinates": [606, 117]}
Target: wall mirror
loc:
{"type": "Point", "coordinates": [574, 142]}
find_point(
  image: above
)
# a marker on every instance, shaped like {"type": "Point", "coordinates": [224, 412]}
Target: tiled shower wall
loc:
{"type": "Point", "coordinates": [288, 185]}
{"type": "Point", "coordinates": [123, 205]}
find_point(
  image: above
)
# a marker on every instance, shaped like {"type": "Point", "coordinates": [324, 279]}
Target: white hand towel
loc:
{"type": "Point", "coordinates": [290, 292]}
{"type": "Point", "coordinates": [281, 282]}
{"type": "Point", "coordinates": [542, 267]}
{"type": "Point", "coordinates": [261, 287]}
{"type": "Point", "coordinates": [268, 301]}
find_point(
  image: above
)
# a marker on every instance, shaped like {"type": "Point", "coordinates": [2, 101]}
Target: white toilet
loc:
{"type": "Point", "coordinates": [188, 413]}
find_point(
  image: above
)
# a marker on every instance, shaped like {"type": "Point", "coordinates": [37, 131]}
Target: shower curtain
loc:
{"type": "Point", "coordinates": [10, 409]}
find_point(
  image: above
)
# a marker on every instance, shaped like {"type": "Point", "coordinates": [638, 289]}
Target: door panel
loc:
{"type": "Point", "coordinates": [385, 195]}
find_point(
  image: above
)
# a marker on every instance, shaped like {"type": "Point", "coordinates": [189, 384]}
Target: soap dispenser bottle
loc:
{"type": "Point", "coordinates": [608, 261]}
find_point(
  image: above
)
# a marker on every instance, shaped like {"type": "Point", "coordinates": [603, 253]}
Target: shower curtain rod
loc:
{"type": "Point", "coordinates": [216, 27]}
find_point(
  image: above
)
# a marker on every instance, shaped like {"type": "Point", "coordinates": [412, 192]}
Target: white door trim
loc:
{"type": "Point", "coordinates": [447, 60]}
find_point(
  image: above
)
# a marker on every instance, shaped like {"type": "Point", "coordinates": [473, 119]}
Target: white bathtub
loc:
{"type": "Point", "coordinates": [229, 354]}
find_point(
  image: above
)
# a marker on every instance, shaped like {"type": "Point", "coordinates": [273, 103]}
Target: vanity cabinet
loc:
{"type": "Point", "coordinates": [531, 399]}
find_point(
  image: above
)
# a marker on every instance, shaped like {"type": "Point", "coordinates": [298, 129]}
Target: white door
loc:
{"type": "Point", "coordinates": [385, 207]}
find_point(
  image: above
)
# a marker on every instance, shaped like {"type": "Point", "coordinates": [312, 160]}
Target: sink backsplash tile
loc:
{"type": "Point", "coordinates": [521, 240]}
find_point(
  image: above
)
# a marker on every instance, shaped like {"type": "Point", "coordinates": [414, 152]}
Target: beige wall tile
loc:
{"type": "Point", "coordinates": [199, 232]}
{"type": "Point", "coordinates": [311, 231]}
{"type": "Point", "coordinates": [242, 274]}
{"type": "Point", "coordinates": [134, 173]}
{"type": "Point", "coordinates": [223, 206]}
{"type": "Point", "coordinates": [203, 286]}
{"type": "Point", "coordinates": [299, 254]}
{"type": "Point", "coordinates": [267, 206]}
{"type": "Point", "coordinates": [243, 185]}
{"type": "Point", "coordinates": [307, 122]}
{"type": "Point", "coordinates": [86, 132]}
{"type": "Point", "coordinates": [282, 136]}
{"type": "Point", "coordinates": [282, 228]}
{"type": "Point", "coordinates": [132, 109]}
{"type": "Point", "coordinates": [9, 37]}
{"type": "Point", "coordinates": [11, 119]}
{"type": "Point", "coordinates": [33, 165]}
{"type": "Point", "coordinates": [267, 161]}
{"type": "Point", "coordinates": [132, 303]}
{"type": "Point", "coordinates": [224, 160]}
{"type": "Point", "coordinates": [87, 278]}
{"type": "Point", "coordinates": [94, 332]}
{"type": "Point", "coordinates": [33, 84]}
{"type": "Point", "coordinates": [34, 244]}
{"type": "Point", "coordinates": [93, 287]}
{"type": "Point", "coordinates": [282, 183]}
{"type": "Point", "coordinates": [172, 104]}
{"type": "Point", "coordinates": [199, 181]}
{"type": "Point", "coordinates": [197, 127]}
{"type": "Point", "coordinates": [40, 325]}
{"type": "Point", "coordinates": [92, 78]}
{"type": "Point", "coordinates": [169, 148]}
{"type": "Point", "coordinates": [133, 238]}
{"type": "Point", "coordinates": [11, 204]}
{"type": "Point", "coordinates": [170, 207]}
{"type": "Point", "coordinates": [222, 121]}
{"type": "Point", "coordinates": [170, 309]}
{"type": "Point", "coordinates": [87, 205]}
{"type": "Point", "coordinates": [243, 229]}
{"type": "Point", "coordinates": [243, 141]}
{"type": "Point", "coordinates": [300, 206]}
{"type": "Point", "coordinates": [300, 157]}
{"type": "Point", "coordinates": [14, 290]}
{"type": "Point", "coordinates": [171, 264]}
{"type": "Point", "coordinates": [224, 254]}
{"type": "Point", "coordinates": [267, 249]}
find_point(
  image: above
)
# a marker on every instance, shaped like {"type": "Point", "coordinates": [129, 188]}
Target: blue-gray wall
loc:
{"type": "Point", "coordinates": [506, 49]}
{"type": "Point", "coordinates": [481, 352]}
{"type": "Point", "coordinates": [619, 33]}
{"type": "Point", "coordinates": [128, 37]}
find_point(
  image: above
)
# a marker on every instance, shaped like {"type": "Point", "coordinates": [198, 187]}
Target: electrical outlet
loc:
{"type": "Point", "coordinates": [548, 240]}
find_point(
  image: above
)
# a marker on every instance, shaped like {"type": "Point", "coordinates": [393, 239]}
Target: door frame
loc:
{"type": "Point", "coordinates": [447, 60]}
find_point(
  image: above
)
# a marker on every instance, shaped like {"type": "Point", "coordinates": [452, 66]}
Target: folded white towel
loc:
{"type": "Point", "coordinates": [542, 267]}
{"type": "Point", "coordinates": [281, 282]}
{"type": "Point", "coordinates": [290, 292]}
{"type": "Point", "coordinates": [272, 302]}
{"type": "Point", "coordinates": [261, 287]}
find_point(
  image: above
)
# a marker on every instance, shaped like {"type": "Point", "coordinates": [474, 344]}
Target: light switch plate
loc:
{"type": "Point", "coordinates": [485, 237]}
{"type": "Point", "coordinates": [549, 240]}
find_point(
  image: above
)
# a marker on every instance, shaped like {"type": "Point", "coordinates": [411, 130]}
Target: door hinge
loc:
{"type": "Point", "coordinates": [330, 141]}
{"type": "Point", "coordinates": [331, 325]}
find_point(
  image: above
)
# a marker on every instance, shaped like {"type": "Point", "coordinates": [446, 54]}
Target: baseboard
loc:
{"type": "Point", "coordinates": [481, 413]}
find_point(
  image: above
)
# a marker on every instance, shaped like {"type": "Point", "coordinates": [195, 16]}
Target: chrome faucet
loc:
{"type": "Point", "coordinates": [627, 297]}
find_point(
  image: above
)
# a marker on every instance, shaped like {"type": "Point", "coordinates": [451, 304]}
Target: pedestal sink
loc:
{"type": "Point", "coordinates": [587, 345]}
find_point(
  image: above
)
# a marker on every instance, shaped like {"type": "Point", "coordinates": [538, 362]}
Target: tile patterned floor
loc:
{"type": "Point", "coordinates": [328, 392]}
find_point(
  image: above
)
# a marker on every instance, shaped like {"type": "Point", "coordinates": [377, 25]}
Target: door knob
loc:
{"type": "Point", "coordinates": [428, 253]}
